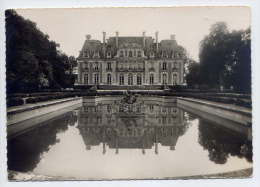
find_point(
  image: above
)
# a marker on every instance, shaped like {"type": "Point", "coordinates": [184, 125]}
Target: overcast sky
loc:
{"type": "Point", "coordinates": [68, 27]}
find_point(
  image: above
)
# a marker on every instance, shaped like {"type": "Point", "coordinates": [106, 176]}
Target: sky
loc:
{"type": "Point", "coordinates": [190, 25]}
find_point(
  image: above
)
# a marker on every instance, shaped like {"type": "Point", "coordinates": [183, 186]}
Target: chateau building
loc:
{"type": "Point", "coordinates": [131, 61]}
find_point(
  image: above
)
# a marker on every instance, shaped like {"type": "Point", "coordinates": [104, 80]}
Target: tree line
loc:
{"type": "Point", "coordinates": [33, 61]}
{"type": "Point", "coordinates": [224, 60]}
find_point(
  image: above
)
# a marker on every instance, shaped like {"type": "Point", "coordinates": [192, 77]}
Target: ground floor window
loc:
{"type": "Point", "coordinates": [109, 79]}
{"type": "Point", "coordinates": [151, 79]}
{"type": "Point", "coordinates": [130, 79]}
{"type": "Point", "coordinates": [164, 79]}
{"type": "Point", "coordinates": [139, 79]}
{"type": "Point", "coordinates": [121, 79]}
{"type": "Point", "coordinates": [86, 79]}
{"type": "Point", "coordinates": [96, 79]}
{"type": "Point", "coordinates": [174, 79]}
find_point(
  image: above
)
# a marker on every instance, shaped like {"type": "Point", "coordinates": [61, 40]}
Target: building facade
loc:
{"type": "Point", "coordinates": [131, 61]}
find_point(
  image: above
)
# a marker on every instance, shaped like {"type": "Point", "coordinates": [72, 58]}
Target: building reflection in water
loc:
{"type": "Point", "coordinates": [142, 125]}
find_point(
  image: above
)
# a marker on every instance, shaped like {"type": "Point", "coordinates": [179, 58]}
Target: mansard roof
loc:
{"type": "Point", "coordinates": [168, 46]}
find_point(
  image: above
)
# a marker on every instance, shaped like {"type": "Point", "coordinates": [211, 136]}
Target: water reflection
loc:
{"type": "Point", "coordinates": [142, 125]}
{"type": "Point", "coordinates": [24, 151]}
{"type": "Point", "coordinates": [221, 143]}
{"type": "Point", "coordinates": [145, 136]}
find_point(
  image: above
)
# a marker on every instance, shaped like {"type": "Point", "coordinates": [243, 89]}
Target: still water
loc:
{"type": "Point", "coordinates": [108, 138]}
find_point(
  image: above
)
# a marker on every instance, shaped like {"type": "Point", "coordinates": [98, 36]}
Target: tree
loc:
{"type": "Point", "coordinates": [193, 75]}
{"type": "Point", "coordinates": [225, 58]}
{"type": "Point", "coordinates": [33, 61]}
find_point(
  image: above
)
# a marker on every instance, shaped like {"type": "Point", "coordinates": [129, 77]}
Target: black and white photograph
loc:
{"type": "Point", "coordinates": [128, 93]}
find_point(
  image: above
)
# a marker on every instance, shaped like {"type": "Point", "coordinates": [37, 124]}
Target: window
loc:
{"type": "Point", "coordinates": [130, 54]}
{"type": "Point", "coordinates": [96, 66]}
{"type": "Point", "coordinates": [164, 66]}
{"type": "Point", "coordinates": [151, 79]}
{"type": "Point", "coordinates": [139, 79]}
{"type": "Point", "coordinates": [121, 79]}
{"type": "Point", "coordinates": [108, 108]}
{"type": "Point", "coordinates": [151, 108]}
{"type": "Point", "coordinates": [109, 66]}
{"type": "Point", "coordinates": [164, 79]}
{"type": "Point", "coordinates": [130, 79]}
{"type": "Point", "coordinates": [96, 78]}
{"type": "Point", "coordinates": [174, 79]}
{"type": "Point", "coordinates": [86, 79]}
{"type": "Point", "coordinates": [96, 54]}
{"type": "Point", "coordinates": [174, 64]}
{"type": "Point", "coordinates": [139, 54]}
{"type": "Point", "coordinates": [109, 79]}
{"type": "Point", "coordinates": [121, 54]}
{"type": "Point", "coordinates": [108, 54]}
{"type": "Point", "coordinates": [85, 66]}
{"type": "Point", "coordinates": [125, 53]}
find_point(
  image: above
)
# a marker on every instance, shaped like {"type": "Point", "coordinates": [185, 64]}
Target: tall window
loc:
{"type": "Point", "coordinates": [164, 66]}
{"type": "Point", "coordinates": [139, 54]}
{"type": "Point", "coordinates": [151, 79]}
{"type": "Point", "coordinates": [130, 79]}
{"type": "Point", "coordinates": [164, 79]}
{"type": "Point", "coordinates": [109, 79]}
{"type": "Point", "coordinates": [96, 66]}
{"type": "Point", "coordinates": [109, 66]}
{"type": "Point", "coordinates": [130, 54]}
{"type": "Point", "coordinates": [121, 53]}
{"type": "Point", "coordinates": [175, 64]}
{"type": "Point", "coordinates": [86, 79]}
{"type": "Point", "coordinates": [174, 79]}
{"type": "Point", "coordinates": [125, 53]}
{"type": "Point", "coordinates": [139, 79]}
{"type": "Point", "coordinates": [121, 79]}
{"type": "Point", "coordinates": [96, 79]}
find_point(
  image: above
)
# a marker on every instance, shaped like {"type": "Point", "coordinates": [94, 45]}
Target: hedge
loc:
{"type": "Point", "coordinates": [15, 101]}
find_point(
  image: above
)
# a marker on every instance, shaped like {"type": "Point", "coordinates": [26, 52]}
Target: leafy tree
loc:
{"type": "Point", "coordinates": [193, 75]}
{"type": "Point", "coordinates": [33, 61]}
{"type": "Point", "coordinates": [225, 58]}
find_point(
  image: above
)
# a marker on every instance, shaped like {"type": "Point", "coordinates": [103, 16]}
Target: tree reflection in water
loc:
{"type": "Point", "coordinates": [220, 142]}
{"type": "Point", "coordinates": [24, 151]}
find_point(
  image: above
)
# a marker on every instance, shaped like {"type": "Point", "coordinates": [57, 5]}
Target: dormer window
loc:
{"type": "Point", "coordinates": [164, 54]}
{"type": "Point", "coordinates": [86, 54]}
{"type": "Point", "coordinates": [96, 54]}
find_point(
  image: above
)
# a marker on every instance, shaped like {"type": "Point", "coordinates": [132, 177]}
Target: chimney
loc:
{"type": "Point", "coordinates": [88, 36]}
{"type": "Point", "coordinates": [117, 33]}
{"type": "Point", "coordinates": [104, 37]}
{"type": "Point", "coordinates": [156, 39]}
{"type": "Point", "coordinates": [104, 43]}
{"type": "Point", "coordinates": [172, 36]}
{"type": "Point", "coordinates": [144, 39]}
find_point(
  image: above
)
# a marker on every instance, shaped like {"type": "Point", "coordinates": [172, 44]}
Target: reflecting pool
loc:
{"type": "Point", "coordinates": [108, 138]}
